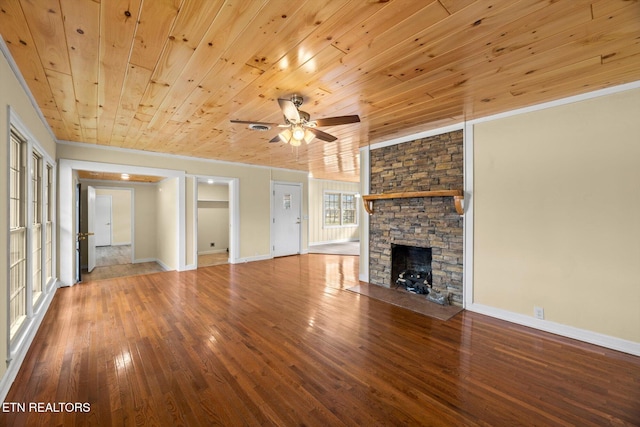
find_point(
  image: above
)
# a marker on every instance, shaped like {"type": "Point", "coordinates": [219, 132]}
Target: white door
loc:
{"type": "Point", "coordinates": [287, 215]}
{"type": "Point", "coordinates": [91, 240]}
{"type": "Point", "coordinates": [102, 223]}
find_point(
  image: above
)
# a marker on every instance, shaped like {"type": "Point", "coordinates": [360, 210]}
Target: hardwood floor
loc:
{"type": "Point", "coordinates": [281, 342]}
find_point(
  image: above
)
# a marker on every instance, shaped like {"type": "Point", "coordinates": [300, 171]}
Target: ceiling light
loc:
{"type": "Point", "coordinates": [308, 136]}
{"type": "Point", "coordinates": [298, 133]}
{"type": "Point", "coordinates": [285, 135]}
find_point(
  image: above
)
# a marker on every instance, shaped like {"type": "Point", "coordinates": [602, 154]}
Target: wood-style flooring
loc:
{"type": "Point", "coordinates": [281, 342]}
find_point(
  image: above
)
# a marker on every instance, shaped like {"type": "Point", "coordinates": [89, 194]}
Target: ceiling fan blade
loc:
{"type": "Point", "coordinates": [289, 110]}
{"type": "Point", "coordinates": [322, 135]}
{"type": "Point", "coordinates": [275, 139]}
{"type": "Point", "coordinates": [335, 121]}
{"type": "Point", "coordinates": [248, 122]}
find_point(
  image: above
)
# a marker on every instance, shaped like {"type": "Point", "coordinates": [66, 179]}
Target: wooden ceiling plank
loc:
{"type": "Point", "coordinates": [82, 30]}
{"type": "Point", "coordinates": [454, 6]}
{"type": "Point", "coordinates": [328, 29]}
{"type": "Point", "coordinates": [573, 52]}
{"type": "Point", "coordinates": [269, 21]}
{"type": "Point", "coordinates": [609, 35]}
{"type": "Point", "coordinates": [224, 29]}
{"type": "Point", "coordinates": [191, 25]}
{"type": "Point", "coordinates": [603, 8]}
{"type": "Point", "coordinates": [118, 20]}
{"type": "Point", "coordinates": [44, 18]}
{"type": "Point", "coordinates": [374, 48]}
{"type": "Point", "coordinates": [515, 38]}
{"type": "Point", "coordinates": [438, 40]}
{"type": "Point", "coordinates": [16, 34]}
{"type": "Point", "coordinates": [299, 55]}
{"type": "Point", "coordinates": [134, 86]}
{"type": "Point", "coordinates": [65, 100]}
{"type": "Point", "coordinates": [157, 18]}
{"type": "Point", "coordinates": [606, 75]}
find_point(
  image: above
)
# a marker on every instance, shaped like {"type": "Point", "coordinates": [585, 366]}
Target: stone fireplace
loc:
{"type": "Point", "coordinates": [428, 164]}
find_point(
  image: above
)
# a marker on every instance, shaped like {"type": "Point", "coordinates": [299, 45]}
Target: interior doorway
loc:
{"type": "Point", "coordinates": [213, 234]}
{"type": "Point", "coordinates": [111, 219]}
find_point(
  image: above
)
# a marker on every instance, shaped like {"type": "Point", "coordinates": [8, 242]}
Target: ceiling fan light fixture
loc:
{"type": "Point", "coordinates": [285, 135]}
{"type": "Point", "coordinates": [298, 133]}
{"type": "Point", "coordinates": [308, 136]}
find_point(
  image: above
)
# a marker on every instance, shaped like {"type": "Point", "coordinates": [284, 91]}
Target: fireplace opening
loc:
{"type": "Point", "coordinates": [411, 268]}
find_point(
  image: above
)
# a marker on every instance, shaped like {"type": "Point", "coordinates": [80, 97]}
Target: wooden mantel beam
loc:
{"type": "Point", "coordinates": [458, 197]}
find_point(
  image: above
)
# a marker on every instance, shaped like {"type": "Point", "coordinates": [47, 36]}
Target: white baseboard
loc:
{"type": "Point", "coordinates": [252, 259]}
{"type": "Point", "coordinates": [164, 266]}
{"type": "Point", "coordinates": [591, 337]}
{"type": "Point", "coordinates": [329, 242]}
{"type": "Point", "coordinates": [141, 260]}
{"type": "Point", "coordinates": [14, 364]}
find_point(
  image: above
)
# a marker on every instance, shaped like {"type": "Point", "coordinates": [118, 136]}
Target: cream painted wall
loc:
{"type": "Point", "coordinates": [318, 233]}
{"type": "Point", "coordinates": [167, 216]}
{"type": "Point", "coordinates": [254, 187]}
{"type": "Point", "coordinates": [13, 96]}
{"type": "Point", "coordinates": [556, 223]}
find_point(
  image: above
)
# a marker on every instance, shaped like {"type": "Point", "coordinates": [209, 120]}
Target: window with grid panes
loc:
{"type": "Point", "coordinates": [349, 209]}
{"type": "Point", "coordinates": [36, 226]}
{"type": "Point", "coordinates": [48, 221]}
{"type": "Point", "coordinates": [340, 209]}
{"type": "Point", "coordinates": [18, 234]}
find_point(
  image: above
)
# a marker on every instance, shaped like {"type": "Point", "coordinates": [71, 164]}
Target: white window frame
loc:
{"type": "Point", "coordinates": [35, 304]}
{"type": "Point", "coordinates": [341, 195]}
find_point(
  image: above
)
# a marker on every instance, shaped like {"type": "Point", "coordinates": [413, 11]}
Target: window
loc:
{"type": "Point", "coordinates": [48, 221]}
{"type": "Point", "coordinates": [340, 209]}
{"type": "Point", "coordinates": [349, 209]}
{"type": "Point", "coordinates": [18, 234]}
{"type": "Point", "coordinates": [36, 224]}
{"type": "Point", "coordinates": [31, 260]}
{"type": "Point", "coordinates": [331, 209]}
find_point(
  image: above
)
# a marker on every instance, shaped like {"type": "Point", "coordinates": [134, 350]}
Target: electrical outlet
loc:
{"type": "Point", "coordinates": [538, 313]}
{"type": "Point", "coordinates": [212, 244]}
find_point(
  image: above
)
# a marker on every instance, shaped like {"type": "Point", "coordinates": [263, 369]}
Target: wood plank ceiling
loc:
{"type": "Point", "coordinates": [168, 75]}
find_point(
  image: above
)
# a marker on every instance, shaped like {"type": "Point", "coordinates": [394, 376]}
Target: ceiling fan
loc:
{"type": "Point", "coordinates": [298, 127]}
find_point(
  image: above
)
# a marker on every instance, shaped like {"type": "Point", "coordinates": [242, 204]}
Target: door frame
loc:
{"type": "Point", "coordinates": [272, 214]}
{"type": "Point", "coordinates": [234, 216]}
{"type": "Point", "coordinates": [91, 238]}
{"type": "Point", "coordinates": [66, 183]}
